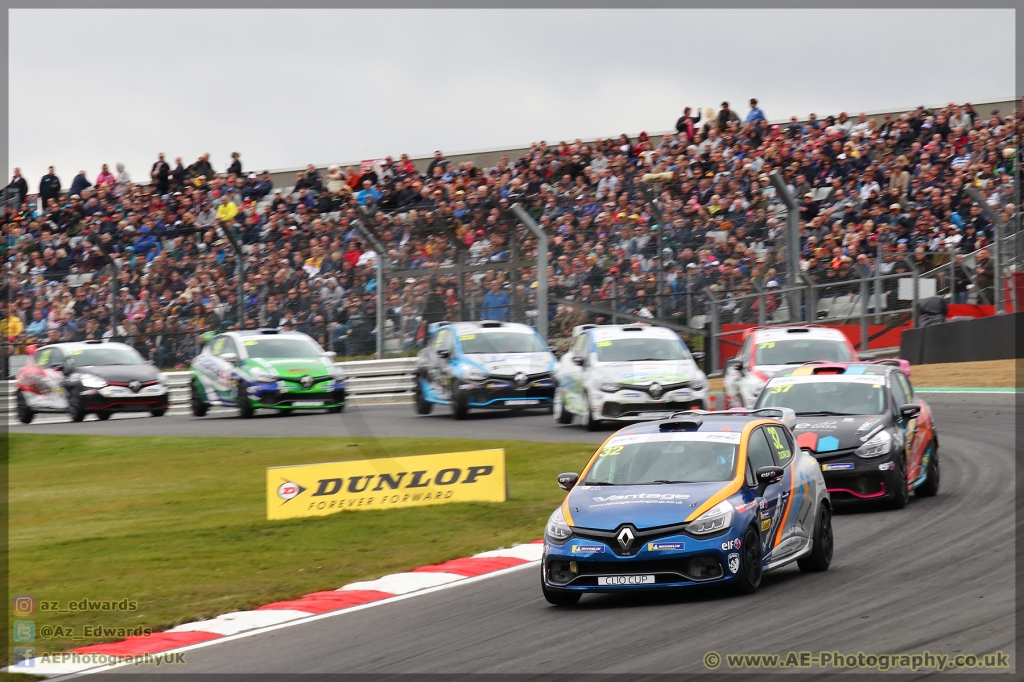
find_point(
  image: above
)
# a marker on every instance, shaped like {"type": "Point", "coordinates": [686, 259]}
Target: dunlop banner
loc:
{"type": "Point", "coordinates": [322, 489]}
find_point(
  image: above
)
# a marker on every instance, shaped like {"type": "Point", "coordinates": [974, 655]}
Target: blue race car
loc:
{"type": "Point", "coordinates": [702, 497]}
{"type": "Point", "coordinates": [486, 364]}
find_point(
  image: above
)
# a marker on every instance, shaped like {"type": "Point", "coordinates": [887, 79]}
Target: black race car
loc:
{"type": "Point", "coordinates": [89, 377]}
{"type": "Point", "coordinates": [873, 437]}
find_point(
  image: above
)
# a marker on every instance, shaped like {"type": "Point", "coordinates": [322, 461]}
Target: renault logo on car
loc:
{"type": "Point", "coordinates": [135, 386]}
{"type": "Point", "coordinates": [656, 390]}
{"type": "Point", "coordinates": [520, 380]}
{"type": "Point", "coordinates": [625, 538]}
{"type": "Point", "coordinates": [306, 381]}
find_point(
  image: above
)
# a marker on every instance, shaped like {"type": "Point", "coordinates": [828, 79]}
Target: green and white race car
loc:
{"type": "Point", "coordinates": [265, 369]}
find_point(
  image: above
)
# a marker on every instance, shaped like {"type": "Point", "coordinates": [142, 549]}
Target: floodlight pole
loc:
{"type": "Point", "coordinates": [233, 240]}
{"type": "Point", "coordinates": [997, 233]}
{"type": "Point", "coordinates": [542, 268]}
{"type": "Point", "coordinates": [363, 228]}
{"type": "Point", "coordinates": [792, 236]}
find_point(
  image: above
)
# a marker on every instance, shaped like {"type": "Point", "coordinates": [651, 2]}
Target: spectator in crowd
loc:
{"type": "Point", "coordinates": [49, 187]}
{"type": "Point", "coordinates": [18, 187]}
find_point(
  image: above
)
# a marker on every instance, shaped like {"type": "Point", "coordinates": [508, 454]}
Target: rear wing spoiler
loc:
{"type": "Point", "coordinates": [785, 415]}
{"type": "Point", "coordinates": [903, 365]}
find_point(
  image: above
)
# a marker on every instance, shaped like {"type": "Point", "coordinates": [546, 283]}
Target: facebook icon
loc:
{"type": "Point", "coordinates": [24, 656]}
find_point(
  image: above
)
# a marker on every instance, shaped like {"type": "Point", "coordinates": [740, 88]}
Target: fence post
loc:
{"type": "Point", "coordinates": [952, 275]}
{"type": "Point", "coordinates": [714, 332]}
{"type": "Point", "coordinates": [762, 316]}
{"type": "Point", "coordinates": [615, 301]}
{"type": "Point", "coordinates": [878, 282]}
{"type": "Point", "coordinates": [916, 273]}
{"type": "Point", "coordinates": [812, 297]}
{"type": "Point", "coordinates": [542, 269]}
{"type": "Point", "coordinates": [864, 314]}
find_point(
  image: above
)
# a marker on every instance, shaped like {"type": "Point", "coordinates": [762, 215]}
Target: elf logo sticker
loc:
{"type": "Point", "coordinates": [731, 544]}
{"type": "Point", "coordinates": [288, 490]}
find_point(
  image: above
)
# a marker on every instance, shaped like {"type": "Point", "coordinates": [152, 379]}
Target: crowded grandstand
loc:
{"type": "Point", "coordinates": [159, 244]}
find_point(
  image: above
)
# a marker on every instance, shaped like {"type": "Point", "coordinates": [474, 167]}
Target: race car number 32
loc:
{"type": "Point", "coordinates": [625, 580]}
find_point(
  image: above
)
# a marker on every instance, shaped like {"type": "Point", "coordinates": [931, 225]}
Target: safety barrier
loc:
{"type": "Point", "coordinates": [369, 382]}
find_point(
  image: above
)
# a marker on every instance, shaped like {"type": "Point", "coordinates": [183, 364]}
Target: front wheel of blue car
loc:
{"type": "Point", "coordinates": [560, 597]}
{"type": "Point", "coordinates": [750, 563]}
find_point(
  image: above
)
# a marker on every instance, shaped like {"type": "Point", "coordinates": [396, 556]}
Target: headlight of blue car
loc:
{"type": "Point", "coordinates": [473, 374]}
{"type": "Point", "coordinates": [557, 531]}
{"type": "Point", "coordinates": [262, 376]}
{"type": "Point", "coordinates": [714, 519]}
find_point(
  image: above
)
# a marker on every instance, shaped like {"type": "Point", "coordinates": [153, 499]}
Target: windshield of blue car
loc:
{"type": "Point", "coordinates": [640, 348]}
{"type": "Point", "coordinates": [500, 342]}
{"type": "Point", "coordinates": [799, 351]}
{"type": "Point", "coordinates": [280, 349]}
{"type": "Point", "coordinates": [834, 397]}
{"type": "Point", "coordinates": [664, 461]}
{"type": "Point", "coordinates": [92, 357]}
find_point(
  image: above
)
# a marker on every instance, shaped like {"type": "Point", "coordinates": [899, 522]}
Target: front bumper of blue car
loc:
{"type": "Point", "coordinates": [506, 393]}
{"type": "Point", "coordinates": [584, 565]}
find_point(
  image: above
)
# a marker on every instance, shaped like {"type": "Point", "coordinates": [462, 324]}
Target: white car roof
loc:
{"type": "Point", "coordinates": [810, 333]}
{"type": "Point", "coordinates": [628, 331]}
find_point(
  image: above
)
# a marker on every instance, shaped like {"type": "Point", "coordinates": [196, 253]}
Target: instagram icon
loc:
{"type": "Point", "coordinates": [24, 605]}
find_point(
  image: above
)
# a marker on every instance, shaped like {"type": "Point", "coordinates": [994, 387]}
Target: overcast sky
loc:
{"type": "Point", "coordinates": [290, 87]}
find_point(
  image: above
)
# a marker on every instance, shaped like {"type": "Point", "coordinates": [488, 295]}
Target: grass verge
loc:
{"type": "Point", "coordinates": [178, 524]}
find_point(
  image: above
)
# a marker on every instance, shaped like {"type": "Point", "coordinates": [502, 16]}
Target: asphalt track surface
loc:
{"type": "Point", "coordinates": [936, 576]}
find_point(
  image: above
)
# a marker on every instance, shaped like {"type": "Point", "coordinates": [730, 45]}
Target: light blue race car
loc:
{"type": "Point", "coordinates": [486, 365]}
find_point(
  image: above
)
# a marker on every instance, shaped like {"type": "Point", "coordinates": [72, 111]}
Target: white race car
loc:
{"type": "Point", "coordinates": [768, 350]}
{"type": "Point", "coordinates": [632, 372]}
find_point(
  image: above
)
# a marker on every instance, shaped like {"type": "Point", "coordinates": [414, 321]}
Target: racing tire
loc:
{"type": "Point", "coordinates": [336, 410]}
{"type": "Point", "coordinates": [460, 408]}
{"type": "Point", "coordinates": [199, 408]}
{"type": "Point", "coordinates": [103, 416]}
{"type": "Point", "coordinates": [588, 420]}
{"type": "Point", "coordinates": [25, 413]}
{"type": "Point", "coordinates": [930, 487]}
{"type": "Point", "coordinates": [75, 408]}
{"type": "Point", "coordinates": [420, 403]}
{"type": "Point", "coordinates": [158, 413]}
{"type": "Point", "coordinates": [751, 570]}
{"type": "Point", "coordinates": [560, 598]}
{"type": "Point", "coordinates": [562, 415]}
{"type": "Point", "coordinates": [245, 409]}
{"type": "Point", "coordinates": [900, 495]}
{"type": "Point", "coordinates": [821, 550]}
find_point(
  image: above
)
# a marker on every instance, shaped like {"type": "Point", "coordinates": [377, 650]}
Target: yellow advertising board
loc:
{"type": "Point", "coordinates": [387, 483]}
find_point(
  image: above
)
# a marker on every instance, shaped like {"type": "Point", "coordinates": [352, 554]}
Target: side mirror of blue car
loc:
{"type": "Point", "coordinates": [766, 476]}
{"type": "Point", "coordinates": [568, 480]}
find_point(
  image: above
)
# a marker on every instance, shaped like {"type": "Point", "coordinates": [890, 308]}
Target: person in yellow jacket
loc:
{"type": "Point", "coordinates": [11, 326]}
{"type": "Point", "coordinates": [227, 210]}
